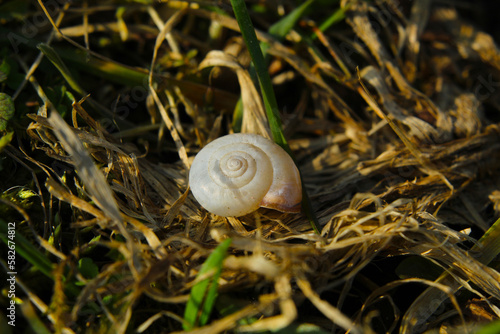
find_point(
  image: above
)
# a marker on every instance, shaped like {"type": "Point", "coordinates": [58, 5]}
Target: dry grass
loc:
{"type": "Point", "coordinates": [392, 115]}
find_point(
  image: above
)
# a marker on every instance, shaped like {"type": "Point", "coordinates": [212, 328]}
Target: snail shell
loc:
{"type": "Point", "coordinates": [236, 174]}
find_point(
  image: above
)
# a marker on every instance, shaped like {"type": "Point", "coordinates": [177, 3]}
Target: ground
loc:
{"type": "Point", "coordinates": [390, 110]}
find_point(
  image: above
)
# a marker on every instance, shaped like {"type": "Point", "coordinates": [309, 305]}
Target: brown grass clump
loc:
{"type": "Point", "coordinates": [392, 115]}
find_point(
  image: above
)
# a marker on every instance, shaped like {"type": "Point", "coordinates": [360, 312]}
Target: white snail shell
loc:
{"type": "Point", "coordinates": [236, 174]}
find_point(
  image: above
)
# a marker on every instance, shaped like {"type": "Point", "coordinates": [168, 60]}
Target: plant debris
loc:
{"type": "Point", "coordinates": [392, 116]}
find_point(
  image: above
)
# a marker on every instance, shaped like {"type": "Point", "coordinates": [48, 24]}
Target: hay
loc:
{"type": "Point", "coordinates": [398, 146]}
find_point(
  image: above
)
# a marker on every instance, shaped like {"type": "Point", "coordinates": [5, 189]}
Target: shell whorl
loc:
{"type": "Point", "coordinates": [236, 174]}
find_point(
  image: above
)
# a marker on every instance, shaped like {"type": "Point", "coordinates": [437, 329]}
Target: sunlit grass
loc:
{"type": "Point", "coordinates": [388, 109]}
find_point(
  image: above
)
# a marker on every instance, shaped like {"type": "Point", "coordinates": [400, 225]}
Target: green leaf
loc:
{"type": "Point", "coordinates": [109, 70]}
{"type": "Point", "coordinates": [61, 98]}
{"type": "Point", "coordinates": [4, 70]}
{"type": "Point", "coordinates": [88, 268]}
{"type": "Point", "coordinates": [238, 116]}
{"type": "Point", "coordinates": [204, 293]}
{"type": "Point", "coordinates": [336, 17]}
{"type": "Point", "coordinates": [54, 58]}
{"type": "Point", "coordinates": [26, 193]}
{"type": "Point", "coordinates": [5, 140]}
{"type": "Point", "coordinates": [282, 27]}
{"type": "Point", "coordinates": [6, 110]}
{"type": "Point", "coordinates": [92, 244]}
{"type": "Point", "coordinates": [24, 248]}
{"type": "Point", "coordinates": [491, 328]}
{"type": "Point", "coordinates": [489, 244]}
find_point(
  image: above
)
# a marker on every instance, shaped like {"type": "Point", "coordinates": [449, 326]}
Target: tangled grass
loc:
{"type": "Point", "coordinates": [390, 108]}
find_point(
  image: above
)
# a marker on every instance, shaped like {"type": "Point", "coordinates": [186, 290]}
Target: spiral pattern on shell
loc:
{"type": "Point", "coordinates": [236, 174]}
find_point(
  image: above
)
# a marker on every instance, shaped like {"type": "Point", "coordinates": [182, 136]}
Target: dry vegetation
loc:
{"type": "Point", "coordinates": [393, 117]}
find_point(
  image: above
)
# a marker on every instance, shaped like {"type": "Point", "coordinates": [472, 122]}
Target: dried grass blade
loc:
{"type": "Point", "coordinates": [90, 175]}
{"type": "Point", "coordinates": [62, 194]}
{"type": "Point", "coordinates": [174, 209]}
{"type": "Point", "coordinates": [328, 310]}
{"type": "Point", "coordinates": [146, 324]}
{"type": "Point", "coordinates": [150, 236]}
{"type": "Point", "coordinates": [171, 128]}
{"type": "Point", "coordinates": [428, 302]}
{"type": "Point", "coordinates": [254, 119]}
{"type": "Point", "coordinates": [429, 167]}
{"type": "Point", "coordinates": [287, 308]}
{"type": "Point", "coordinates": [230, 321]}
{"type": "Point", "coordinates": [418, 127]}
{"type": "Point", "coordinates": [420, 13]}
{"type": "Point", "coordinates": [166, 118]}
{"type": "Point", "coordinates": [363, 28]}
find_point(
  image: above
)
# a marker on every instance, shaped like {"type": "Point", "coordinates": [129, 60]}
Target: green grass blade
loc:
{"type": "Point", "coordinates": [24, 248]}
{"type": "Point", "coordinates": [337, 16]}
{"type": "Point", "coordinates": [138, 77]}
{"type": "Point", "coordinates": [491, 328]}
{"type": "Point", "coordinates": [270, 103]}
{"type": "Point", "coordinates": [33, 319]}
{"type": "Point", "coordinates": [204, 293]}
{"type": "Point", "coordinates": [281, 28]}
{"type": "Point", "coordinates": [109, 70]}
{"type": "Point", "coordinates": [54, 58]}
{"type": "Point", "coordinates": [489, 244]}
{"type": "Point", "coordinates": [237, 116]}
